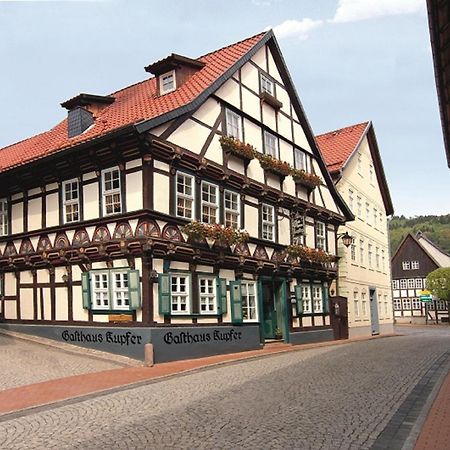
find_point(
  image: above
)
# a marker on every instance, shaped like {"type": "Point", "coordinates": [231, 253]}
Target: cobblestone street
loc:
{"type": "Point", "coordinates": [326, 398]}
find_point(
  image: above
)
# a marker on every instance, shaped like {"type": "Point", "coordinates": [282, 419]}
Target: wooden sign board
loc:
{"type": "Point", "coordinates": [120, 318]}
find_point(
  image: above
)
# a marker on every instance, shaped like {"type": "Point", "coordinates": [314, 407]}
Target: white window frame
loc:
{"type": "Point", "coordinates": [395, 284]}
{"type": "Point", "coordinates": [361, 251]}
{"type": "Point", "coordinates": [416, 303]}
{"type": "Point", "coordinates": [418, 283]}
{"type": "Point", "coordinates": [101, 278]}
{"type": "Point", "coordinates": [207, 297]}
{"type": "Point", "coordinates": [368, 221]}
{"type": "Point", "coordinates": [162, 87]}
{"type": "Point", "coordinates": [321, 233]}
{"type": "Point", "coordinates": [183, 196]}
{"type": "Point", "coordinates": [307, 298]}
{"type": "Point", "coordinates": [267, 85]}
{"type": "Point", "coordinates": [397, 304]}
{"type": "Point", "coordinates": [68, 203]}
{"type": "Point", "coordinates": [212, 207]}
{"type": "Point", "coordinates": [356, 303]}
{"type": "Point", "coordinates": [350, 199]}
{"type": "Point", "coordinates": [414, 265]}
{"type": "Point", "coordinates": [233, 124]}
{"type": "Point", "coordinates": [353, 251]}
{"type": "Point", "coordinates": [120, 293]}
{"type": "Point", "coordinates": [177, 295]}
{"type": "Point", "coordinates": [406, 303]}
{"type": "Point", "coordinates": [403, 284]}
{"type": "Point", "coordinates": [111, 294]}
{"type": "Point", "coordinates": [375, 216]}
{"type": "Point", "coordinates": [301, 160]}
{"type": "Point", "coordinates": [271, 145]}
{"type": "Point", "coordinates": [369, 254]}
{"type": "Point", "coordinates": [359, 206]}
{"type": "Point", "coordinates": [383, 260]}
{"type": "Point", "coordinates": [267, 225]}
{"type": "Point", "coordinates": [111, 192]}
{"type": "Point", "coordinates": [411, 283]}
{"type": "Point", "coordinates": [229, 212]}
{"type": "Point", "coordinates": [4, 219]}
{"type": "Point", "coordinates": [247, 308]}
{"type": "Point", "coordinates": [377, 257]}
{"type": "Point", "coordinates": [406, 265]}
{"type": "Point", "coordinates": [317, 298]}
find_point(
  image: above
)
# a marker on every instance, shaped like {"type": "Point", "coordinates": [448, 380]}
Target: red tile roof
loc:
{"type": "Point", "coordinates": [338, 145]}
{"type": "Point", "coordinates": [132, 105]}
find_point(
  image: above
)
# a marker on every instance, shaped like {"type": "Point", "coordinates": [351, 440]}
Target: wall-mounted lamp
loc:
{"type": "Point", "coordinates": [346, 238]}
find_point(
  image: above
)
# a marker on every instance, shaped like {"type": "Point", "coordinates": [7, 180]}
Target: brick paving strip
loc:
{"type": "Point", "coordinates": [408, 421]}
{"type": "Point", "coordinates": [29, 397]}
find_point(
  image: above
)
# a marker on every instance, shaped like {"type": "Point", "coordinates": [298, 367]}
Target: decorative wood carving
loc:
{"type": "Point", "coordinates": [148, 228]}
{"type": "Point", "coordinates": [80, 238]}
{"type": "Point", "coordinates": [260, 252]}
{"type": "Point", "coordinates": [123, 231]}
{"type": "Point", "coordinates": [172, 233]}
{"type": "Point", "coordinates": [242, 249]}
{"type": "Point", "coordinates": [101, 234]}
{"type": "Point", "coordinates": [26, 247]}
{"type": "Point", "coordinates": [44, 244]}
{"type": "Point", "coordinates": [61, 241]}
{"type": "Point", "coordinates": [10, 249]}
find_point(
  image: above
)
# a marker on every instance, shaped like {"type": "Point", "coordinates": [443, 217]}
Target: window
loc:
{"type": "Point", "coordinates": [411, 283]}
{"type": "Point", "coordinates": [406, 265]}
{"type": "Point", "coordinates": [375, 215]}
{"type": "Point", "coordinates": [306, 296]}
{"type": "Point", "coordinates": [414, 265]}
{"type": "Point", "coordinates": [321, 241]}
{"type": "Point", "coordinates": [112, 198]}
{"type": "Point", "coordinates": [207, 294]}
{"type": "Point", "coordinates": [416, 303]}
{"type": "Point", "coordinates": [361, 251]}
{"type": "Point", "coordinates": [350, 199]}
{"type": "Point", "coordinates": [232, 209]}
{"type": "Point", "coordinates": [403, 284]}
{"type": "Point", "coordinates": [441, 305]}
{"type": "Point", "coordinates": [368, 214]}
{"type": "Point", "coordinates": [249, 309]}
{"type": "Point", "coordinates": [268, 222]}
{"type": "Point", "coordinates": [406, 303]}
{"type": "Point", "coordinates": [395, 284]}
{"type": "Point", "coordinates": [363, 304]}
{"type": "Point", "coordinates": [369, 254]}
{"type": "Point", "coordinates": [397, 304]}
{"type": "Point", "coordinates": [271, 145]}
{"type": "Point", "coordinates": [266, 85]}
{"type": "Point", "coordinates": [300, 160]}
{"type": "Point", "coordinates": [383, 261]}
{"type": "Point", "coordinates": [167, 82]}
{"type": "Point", "coordinates": [356, 303]}
{"type": "Point", "coordinates": [71, 202]}
{"type": "Point", "coordinates": [180, 294]}
{"type": "Point", "coordinates": [317, 299]}
{"type": "Point", "coordinates": [353, 251]}
{"type": "Point", "coordinates": [185, 195]}
{"type": "Point", "coordinates": [386, 309]}
{"type": "Point", "coordinates": [3, 217]}
{"type": "Point", "coordinates": [234, 124]}
{"type": "Point", "coordinates": [380, 221]}
{"type": "Point", "coordinates": [371, 174]}
{"type": "Point", "coordinates": [359, 206]}
{"type": "Point", "coordinates": [111, 290]}
{"type": "Point", "coordinates": [210, 202]}
{"type": "Point", "coordinates": [377, 257]}
{"type": "Point", "coordinates": [419, 283]}
{"type": "Point", "coordinates": [360, 164]}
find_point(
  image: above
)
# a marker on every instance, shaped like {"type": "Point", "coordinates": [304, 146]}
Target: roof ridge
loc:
{"type": "Point", "coordinates": [343, 128]}
{"type": "Point", "coordinates": [421, 234]}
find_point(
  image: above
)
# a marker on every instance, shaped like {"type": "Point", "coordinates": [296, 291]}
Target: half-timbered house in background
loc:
{"type": "Point", "coordinates": [414, 259]}
{"type": "Point", "coordinates": [121, 225]}
{"type": "Point", "coordinates": [354, 161]}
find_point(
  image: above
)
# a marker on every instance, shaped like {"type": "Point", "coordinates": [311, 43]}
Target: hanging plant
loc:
{"type": "Point", "coordinates": [274, 165]}
{"type": "Point", "coordinates": [223, 236]}
{"type": "Point", "coordinates": [237, 148]}
{"type": "Point", "coordinates": [309, 180]}
{"type": "Point", "coordinates": [315, 255]}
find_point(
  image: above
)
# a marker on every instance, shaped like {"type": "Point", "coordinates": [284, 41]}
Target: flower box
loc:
{"type": "Point", "coordinates": [305, 179]}
{"type": "Point", "coordinates": [221, 235]}
{"type": "Point", "coordinates": [271, 164]}
{"type": "Point", "coordinates": [237, 148]}
{"type": "Point", "coordinates": [313, 255]}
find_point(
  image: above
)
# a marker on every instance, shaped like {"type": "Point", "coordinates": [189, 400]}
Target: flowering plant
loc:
{"type": "Point", "coordinates": [308, 180]}
{"type": "Point", "coordinates": [235, 146]}
{"type": "Point", "coordinates": [219, 233]}
{"type": "Point", "coordinates": [304, 253]}
{"type": "Point", "coordinates": [272, 164]}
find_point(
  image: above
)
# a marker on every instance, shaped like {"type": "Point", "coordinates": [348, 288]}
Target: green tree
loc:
{"type": "Point", "coordinates": [438, 282]}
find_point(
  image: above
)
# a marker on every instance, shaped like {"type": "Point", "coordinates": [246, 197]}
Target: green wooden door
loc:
{"type": "Point", "coordinates": [269, 311]}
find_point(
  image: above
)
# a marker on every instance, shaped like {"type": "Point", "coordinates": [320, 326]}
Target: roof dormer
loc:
{"type": "Point", "coordinates": [83, 109]}
{"type": "Point", "coordinates": [173, 71]}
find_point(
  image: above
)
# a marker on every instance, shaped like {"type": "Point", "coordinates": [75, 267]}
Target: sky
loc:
{"type": "Point", "coordinates": [350, 60]}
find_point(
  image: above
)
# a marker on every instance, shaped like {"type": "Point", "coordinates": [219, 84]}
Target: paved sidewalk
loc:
{"type": "Point", "coordinates": [47, 392]}
{"type": "Point", "coordinates": [435, 433]}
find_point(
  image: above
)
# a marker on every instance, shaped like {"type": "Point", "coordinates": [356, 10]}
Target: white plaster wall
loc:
{"type": "Point", "coordinates": [42, 276]}
{"type": "Point", "coordinates": [283, 97]}
{"type": "Point", "coordinates": [249, 77]}
{"type": "Point", "coordinates": [134, 191]}
{"type": "Point", "coordinates": [47, 313]}
{"type": "Point", "coordinates": [90, 200]}
{"type": "Point", "coordinates": [17, 218]}
{"type": "Point", "coordinates": [310, 236]}
{"type": "Point", "coordinates": [10, 310]}
{"type": "Point", "coordinates": [253, 135]}
{"type": "Point", "coordinates": [26, 304]}
{"type": "Point", "coordinates": [251, 220]}
{"type": "Point", "coordinates": [10, 284]}
{"type": "Point", "coordinates": [214, 151]}
{"type": "Point", "coordinates": [208, 112]}
{"type": "Point", "coordinates": [35, 214]}
{"type": "Point", "coordinates": [284, 127]}
{"type": "Point", "coordinates": [190, 135]}
{"type": "Point", "coordinates": [269, 116]}
{"type": "Point", "coordinates": [284, 233]}
{"type": "Point", "coordinates": [62, 310]}
{"type": "Point", "coordinates": [229, 91]}
{"type": "Point", "coordinates": [251, 102]}
{"type": "Point", "coordinates": [52, 210]}
{"type": "Point", "coordinates": [300, 137]}
{"type": "Point", "coordinates": [259, 58]}
{"type": "Point", "coordinates": [161, 198]}
{"type": "Point", "coordinates": [133, 164]}
{"type": "Point", "coordinates": [273, 70]}
{"type": "Point", "coordinates": [236, 164]}
{"type": "Point", "coordinates": [287, 152]}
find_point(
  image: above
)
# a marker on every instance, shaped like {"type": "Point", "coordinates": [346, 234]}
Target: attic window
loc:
{"type": "Point", "coordinates": [78, 121]}
{"type": "Point", "coordinates": [167, 82]}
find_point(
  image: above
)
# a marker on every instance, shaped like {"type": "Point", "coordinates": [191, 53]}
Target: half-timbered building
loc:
{"type": "Point", "coordinates": [354, 161]}
{"type": "Point", "coordinates": [414, 259]}
{"type": "Point", "coordinates": [123, 224]}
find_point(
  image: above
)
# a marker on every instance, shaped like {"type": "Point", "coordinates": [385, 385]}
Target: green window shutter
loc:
{"type": "Point", "coordinates": [236, 302]}
{"type": "Point", "coordinates": [221, 285]}
{"type": "Point", "coordinates": [326, 308]}
{"type": "Point", "coordinates": [86, 289]}
{"type": "Point", "coordinates": [134, 289]}
{"type": "Point", "coordinates": [164, 293]}
{"type": "Point", "coordinates": [299, 299]}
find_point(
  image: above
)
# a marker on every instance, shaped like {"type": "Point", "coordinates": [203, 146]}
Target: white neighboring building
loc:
{"type": "Point", "coordinates": [354, 161]}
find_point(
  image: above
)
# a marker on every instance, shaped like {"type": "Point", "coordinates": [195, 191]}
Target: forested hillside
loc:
{"type": "Point", "coordinates": [436, 228]}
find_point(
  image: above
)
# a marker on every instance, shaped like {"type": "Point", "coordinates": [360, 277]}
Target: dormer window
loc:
{"type": "Point", "coordinates": [266, 85]}
{"type": "Point", "coordinates": [167, 82]}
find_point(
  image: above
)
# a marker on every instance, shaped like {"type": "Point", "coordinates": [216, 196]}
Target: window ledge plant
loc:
{"type": "Point", "coordinates": [314, 255]}
{"type": "Point", "coordinates": [237, 148]}
{"type": "Point", "coordinates": [274, 165]}
{"type": "Point", "coordinates": [308, 180]}
{"type": "Point", "coordinates": [222, 235]}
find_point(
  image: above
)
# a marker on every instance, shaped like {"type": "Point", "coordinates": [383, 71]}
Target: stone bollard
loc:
{"type": "Point", "coordinates": [148, 355]}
